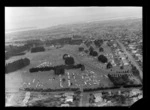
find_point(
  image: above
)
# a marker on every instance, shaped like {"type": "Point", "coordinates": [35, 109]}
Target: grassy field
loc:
{"type": "Point", "coordinates": [76, 78]}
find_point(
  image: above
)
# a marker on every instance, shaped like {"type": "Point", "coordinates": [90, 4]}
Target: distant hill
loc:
{"type": "Point", "coordinates": [91, 28]}
{"type": "Point", "coordinates": [19, 29]}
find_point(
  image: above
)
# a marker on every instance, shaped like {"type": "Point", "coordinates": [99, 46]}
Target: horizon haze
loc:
{"type": "Point", "coordinates": [22, 18]}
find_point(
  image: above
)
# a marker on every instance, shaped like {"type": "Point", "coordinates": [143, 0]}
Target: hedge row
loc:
{"type": "Point", "coordinates": [122, 80]}
{"type": "Point", "coordinates": [37, 49]}
{"type": "Point", "coordinates": [50, 90]}
{"type": "Point", "coordinates": [16, 65]}
{"type": "Point", "coordinates": [57, 69]}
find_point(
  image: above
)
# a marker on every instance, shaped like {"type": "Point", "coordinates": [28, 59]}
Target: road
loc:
{"type": "Point", "coordinates": [131, 58]}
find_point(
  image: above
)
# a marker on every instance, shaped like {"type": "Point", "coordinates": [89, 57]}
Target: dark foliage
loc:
{"type": "Point", "coordinates": [37, 49]}
{"type": "Point", "coordinates": [16, 50]}
{"type": "Point", "coordinates": [57, 69]}
{"type": "Point", "coordinates": [122, 67]}
{"type": "Point", "coordinates": [63, 41]}
{"type": "Point", "coordinates": [93, 53]}
{"type": "Point", "coordinates": [65, 56]}
{"type": "Point", "coordinates": [63, 79]}
{"type": "Point", "coordinates": [50, 90]}
{"type": "Point", "coordinates": [109, 65]}
{"type": "Point", "coordinates": [98, 42]}
{"type": "Point", "coordinates": [123, 80]}
{"type": "Point", "coordinates": [36, 69]}
{"type": "Point", "coordinates": [101, 49]}
{"type": "Point", "coordinates": [135, 70]}
{"type": "Point", "coordinates": [76, 42]}
{"type": "Point", "coordinates": [99, 88]}
{"type": "Point", "coordinates": [16, 65]}
{"type": "Point", "coordinates": [81, 49]}
{"type": "Point", "coordinates": [86, 51]}
{"type": "Point", "coordinates": [131, 86]}
{"type": "Point", "coordinates": [91, 48]}
{"type": "Point", "coordinates": [102, 58]}
{"type": "Point", "coordinates": [88, 43]}
{"type": "Point", "coordinates": [69, 61]}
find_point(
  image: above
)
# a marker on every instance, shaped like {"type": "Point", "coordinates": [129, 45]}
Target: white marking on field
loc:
{"type": "Point", "coordinates": [33, 81]}
{"type": "Point", "coordinates": [60, 79]}
{"type": "Point", "coordinates": [9, 101]}
{"type": "Point", "coordinates": [69, 83]}
{"type": "Point", "coordinates": [37, 84]}
{"type": "Point", "coordinates": [29, 83]}
{"type": "Point", "coordinates": [27, 96]}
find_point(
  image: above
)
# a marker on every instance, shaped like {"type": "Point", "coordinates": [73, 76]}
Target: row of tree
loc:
{"type": "Point", "coordinates": [98, 42]}
{"type": "Point", "coordinates": [50, 90]}
{"type": "Point", "coordinates": [63, 41]}
{"type": "Point", "coordinates": [121, 80]}
{"type": "Point", "coordinates": [60, 69]}
{"type": "Point", "coordinates": [99, 88]}
{"type": "Point", "coordinates": [16, 65]}
{"type": "Point", "coordinates": [102, 59]}
{"type": "Point", "coordinates": [37, 49]}
{"type": "Point", "coordinates": [135, 71]}
{"type": "Point", "coordinates": [16, 50]}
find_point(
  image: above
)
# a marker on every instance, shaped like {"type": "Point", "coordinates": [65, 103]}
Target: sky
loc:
{"type": "Point", "coordinates": [41, 17]}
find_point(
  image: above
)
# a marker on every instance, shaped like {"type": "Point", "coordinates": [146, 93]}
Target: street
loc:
{"type": "Point", "coordinates": [131, 58]}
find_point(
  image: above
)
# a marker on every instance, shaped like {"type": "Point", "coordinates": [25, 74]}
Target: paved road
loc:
{"type": "Point", "coordinates": [131, 58]}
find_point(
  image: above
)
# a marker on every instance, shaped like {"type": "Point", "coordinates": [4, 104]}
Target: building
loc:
{"type": "Point", "coordinates": [64, 105]}
{"type": "Point", "coordinates": [134, 51]}
{"type": "Point", "coordinates": [69, 99]}
{"type": "Point", "coordinates": [98, 97]}
{"type": "Point", "coordinates": [125, 62]}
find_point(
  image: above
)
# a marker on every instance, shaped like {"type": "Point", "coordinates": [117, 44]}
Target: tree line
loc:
{"type": "Point", "coordinates": [15, 50]}
{"type": "Point", "coordinates": [121, 80]}
{"type": "Point", "coordinates": [50, 90]}
{"type": "Point", "coordinates": [16, 65]}
{"type": "Point", "coordinates": [60, 69]}
{"type": "Point", "coordinates": [37, 49]}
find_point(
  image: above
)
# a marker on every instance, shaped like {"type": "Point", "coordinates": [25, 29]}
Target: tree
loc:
{"type": "Point", "coordinates": [16, 65]}
{"type": "Point", "coordinates": [86, 51]}
{"type": "Point", "coordinates": [87, 43]}
{"type": "Point", "coordinates": [101, 49]}
{"type": "Point", "coordinates": [121, 67]}
{"type": "Point", "coordinates": [81, 49]}
{"type": "Point", "coordinates": [102, 58]}
{"type": "Point", "coordinates": [109, 65]}
{"type": "Point", "coordinates": [135, 71]}
{"type": "Point", "coordinates": [63, 79]}
{"type": "Point", "coordinates": [93, 53]}
{"type": "Point", "coordinates": [91, 48]}
{"type": "Point", "coordinates": [37, 49]}
{"type": "Point", "coordinates": [82, 67]}
{"type": "Point", "coordinates": [59, 71]}
{"type": "Point", "coordinates": [69, 61]}
{"type": "Point", "coordinates": [98, 42]}
{"type": "Point", "coordinates": [65, 56]}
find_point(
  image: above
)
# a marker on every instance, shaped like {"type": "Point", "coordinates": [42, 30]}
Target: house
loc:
{"type": "Point", "coordinates": [64, 105]}
{"type": "Point", "coordinates": [98, 97]}
{"type": "Point", "coordinates": [125, 62]}
{"type": "Point", "coordinates": [134, 51]}
{"type": "Point", "coordinates": [69, 99]}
